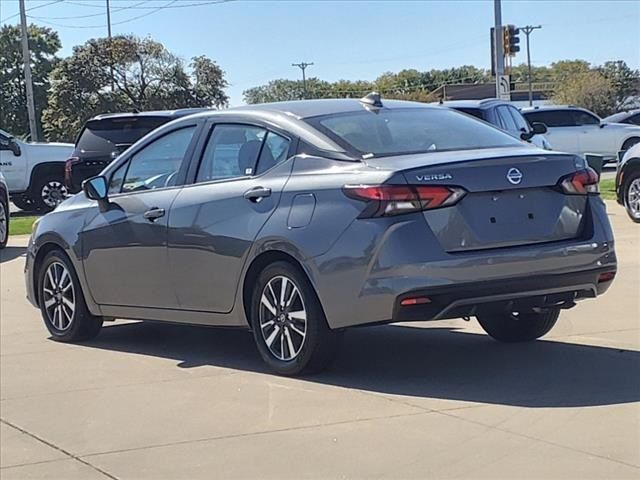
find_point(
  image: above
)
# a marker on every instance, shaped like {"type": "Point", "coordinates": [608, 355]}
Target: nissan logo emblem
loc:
{"type": "Point", "coordinates": [514, 176]}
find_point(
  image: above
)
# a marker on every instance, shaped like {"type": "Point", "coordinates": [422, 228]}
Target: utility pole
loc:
{"type": "Point", "coordinates": [499, 48]}
{"type": "Point", "coordinates": [303, 66]}
{"type": "Point", "coordinates": [26, 57]}
{"type": "Point", "coordinates": [527, 31]}
{"type": "Point", "coordinates": [109, 43]}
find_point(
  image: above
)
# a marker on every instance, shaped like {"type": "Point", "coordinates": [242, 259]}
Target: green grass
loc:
{"type": "Point", "coordinates": [608, 189]}
{"type": "Point", "coordinates": [21, 225]}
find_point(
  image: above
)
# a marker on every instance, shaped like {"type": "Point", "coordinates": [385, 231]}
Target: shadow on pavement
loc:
{"type": "Point", "coordinates": [440, 363]}
{"type": "Point", "coordinates": [9, 253]}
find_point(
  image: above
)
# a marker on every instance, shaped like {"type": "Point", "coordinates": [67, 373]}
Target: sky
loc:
{"type": "Point", "coordinates": [256, 41]}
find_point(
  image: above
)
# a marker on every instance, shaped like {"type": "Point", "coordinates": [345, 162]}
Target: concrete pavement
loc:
{"type": "Point", "coordinates": [440, 399]}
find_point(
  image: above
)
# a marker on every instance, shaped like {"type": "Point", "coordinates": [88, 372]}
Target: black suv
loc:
{"type": "Point", "coordinates": [106, 136]}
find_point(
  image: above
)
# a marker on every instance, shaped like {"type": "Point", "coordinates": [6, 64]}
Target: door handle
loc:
{"type": "Point", "coordinates": [256, 194]}
{"type": "Point", "coordinates": [153, 214]}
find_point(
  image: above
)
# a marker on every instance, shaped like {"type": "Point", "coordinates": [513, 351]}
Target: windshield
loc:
{"type": "Point", "coordinates": [388, 132]}
{"type": "Point", "coordinates": [475, 112]}
{"type": "Point", "coordinates": [116, 134]}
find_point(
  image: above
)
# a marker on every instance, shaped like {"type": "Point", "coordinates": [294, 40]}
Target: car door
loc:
{"type": "Point", "coordinates": [562, 131]}
{"type": "Point", "coordinates": [125, 245]}
{"type": "Point", "coordinates": [13, 167]}
{"type": "Point", "coordinates": [592, 138]}
{"type": "Point", "coordinates": [214, 221]}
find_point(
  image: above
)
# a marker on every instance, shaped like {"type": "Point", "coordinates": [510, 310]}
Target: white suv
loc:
{"type": "Point", "coordinates": [576, 130]}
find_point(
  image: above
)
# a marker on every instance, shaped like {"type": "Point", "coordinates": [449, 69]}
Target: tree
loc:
{"type": "Point", "coordinates": [625, 82]}
{"type": "Point", "coordinates": [43, 44]}
{"type": "Point", "coordinates": [127, 74]}
{"type": "Point", "coordinates": [589, 89]}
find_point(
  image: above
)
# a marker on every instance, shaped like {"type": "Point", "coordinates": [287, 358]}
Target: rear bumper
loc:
{"type": "Point", "coordinates": [515, 294]}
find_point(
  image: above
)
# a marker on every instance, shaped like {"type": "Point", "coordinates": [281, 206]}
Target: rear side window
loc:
{"type": "Point", "coordinates": [274, 151]}
{"type": "Point", "coordinates": [116, 134]}
{"type": "Point", "coordinates": [552, 118]}
{"type": "Point", "coordinates": [157, 164]}
{"type": "Point", "coordinates": [232, 151]}
{"type": "Point", "coordinates": [387, 132]}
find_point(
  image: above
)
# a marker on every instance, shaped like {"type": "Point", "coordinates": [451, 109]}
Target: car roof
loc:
{"type": "Point", "coordinates": [484, 103]}
{"type": "Point", "coordinates": [327, 106]}
{"type": "Point", "coordinates": [623, 115]}
{"type": "Point", "coordinates": [538, 108]}
{"type": "Point", "coordinates": [169, 114]}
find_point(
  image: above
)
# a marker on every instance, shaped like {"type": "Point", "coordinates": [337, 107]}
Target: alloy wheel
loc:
{"type": "Point", "coordinates": [53, 193]}
{"type": "Point", "coordinates": [4, 214]}
{"type": "Point", "coordinates": [283, 318]}
{"type": "Point", "coordinates": [59, 296]}
{"type": "Point", "coordinates": [633, 198]}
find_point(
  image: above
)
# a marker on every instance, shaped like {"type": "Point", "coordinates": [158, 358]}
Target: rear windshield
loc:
{"type": "Point", "coordinates": [116, 134]}
{"type": "Point", "coordinates": [388, 132]}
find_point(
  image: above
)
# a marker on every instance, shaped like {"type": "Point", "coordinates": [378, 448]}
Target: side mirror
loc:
{"type": "Point", "coordinates": [96, 188]}
{"type": "Point", "coordinates": [603, 124]}
{"type": "Point", "coordinates": [14, 147]}
{"type": "Point", "coordinates": [538, 128]}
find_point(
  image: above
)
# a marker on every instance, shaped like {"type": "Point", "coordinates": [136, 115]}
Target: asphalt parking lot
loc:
{"type": "Point", "coordinates": [417, 400]}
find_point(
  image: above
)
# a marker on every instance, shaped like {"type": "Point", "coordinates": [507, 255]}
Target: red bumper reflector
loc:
{"type": "Point", "coordinates": [606, 277]}
{"type": "Point", "coordinates": [415, 301]}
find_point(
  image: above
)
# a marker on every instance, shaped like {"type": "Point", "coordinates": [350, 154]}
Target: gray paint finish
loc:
{"type": "Point", "coordinates": [190, 265]}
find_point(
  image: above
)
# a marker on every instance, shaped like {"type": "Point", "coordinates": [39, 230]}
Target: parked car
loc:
{"type": "Point", "coordinates": [301, 219]}
{"type": "Point", "coordinates": [34, 172]}
{"type": "Point", "coordinates": [577, 130]}
{"type": "Point", "coordinates": [4, 212]}
{"type": "Point", "coordinates": [631, 117]}
{"type": "Point", "coordinates": [106, 136]}
{"type": "Point", "coordinates": [628, 182]}
{"type": "Point", "coordinates": [505, 116]}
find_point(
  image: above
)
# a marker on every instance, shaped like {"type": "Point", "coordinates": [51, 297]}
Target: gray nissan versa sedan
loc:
{"type": "Point", "coordinates": [298, 220]}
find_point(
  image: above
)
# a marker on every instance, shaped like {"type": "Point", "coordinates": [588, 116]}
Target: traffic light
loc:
{"type": "Point", "coordinates": [510, 40]}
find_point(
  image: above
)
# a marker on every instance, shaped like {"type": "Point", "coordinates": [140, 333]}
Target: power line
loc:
{"type": "Point", "coordinates": [157, 9]}
{"type": "Point", "coordinates": [100, 14]}
{"type": "Point", "coordinates": [179, 5]}
{"type": "Point", "coordinates": [29, 9]}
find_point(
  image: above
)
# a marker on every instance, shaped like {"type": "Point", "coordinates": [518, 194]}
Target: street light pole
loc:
{"type": "Point", "coordinates": [28, 81]}
{"type": "Point", "coordinates": [499, 48]}
{"type": "Point", "coordinates": [303, 66]}
{"type": "Point", "coordinates": [527, 31]}
{"type": "Point", "coordinates": [110, 44]}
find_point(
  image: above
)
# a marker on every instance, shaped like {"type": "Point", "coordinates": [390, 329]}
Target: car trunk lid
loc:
{"type": "Point", "coordinates": [512, 199]}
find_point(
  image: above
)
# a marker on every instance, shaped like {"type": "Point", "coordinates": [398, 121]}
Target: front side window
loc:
{"type": "Point", "coordinates": [387, 132]}
{"type": "Point", "coordinates": [521, 123]}
{"type": "Point", "coordinates": [507, 120]}
{"type": "Point", "coordinates": [232, 151]}
{"type": "Point", "coordinates": [157, 164]}
{"type": "Point", "coordinates": [584, 118]}
{"type": "Point", "coordinates": [634, 119]}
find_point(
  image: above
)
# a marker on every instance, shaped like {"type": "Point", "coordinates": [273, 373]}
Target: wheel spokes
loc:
{"type": "Point", "coordinates": [58, 296]}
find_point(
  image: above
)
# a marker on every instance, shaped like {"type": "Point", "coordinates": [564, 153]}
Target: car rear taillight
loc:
{"type": "Point", "coordinates": [581, 182]}
{"type": "Point", "coordinates": [386, 200]}
{"type": "Point", "coordinates": [68, 166]}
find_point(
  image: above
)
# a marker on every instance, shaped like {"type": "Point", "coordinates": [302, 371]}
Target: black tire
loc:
{"type": "Point", "coordinates": [82, 324]}
{"type": "Point", "coordinates": [630, 142]}
{"type": "Point", "coordinates": [23, 203]}
{"type": "Point", "coordinates": [48, 191]}
{"type": "Point", "coordinates": [524, 327]}
{"type": "Point", "coordinates": [319, 345]}
{"type": "Point", "coordinates": [4, 222]}
{"type": "Point", "coordinates": [632, 178]}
